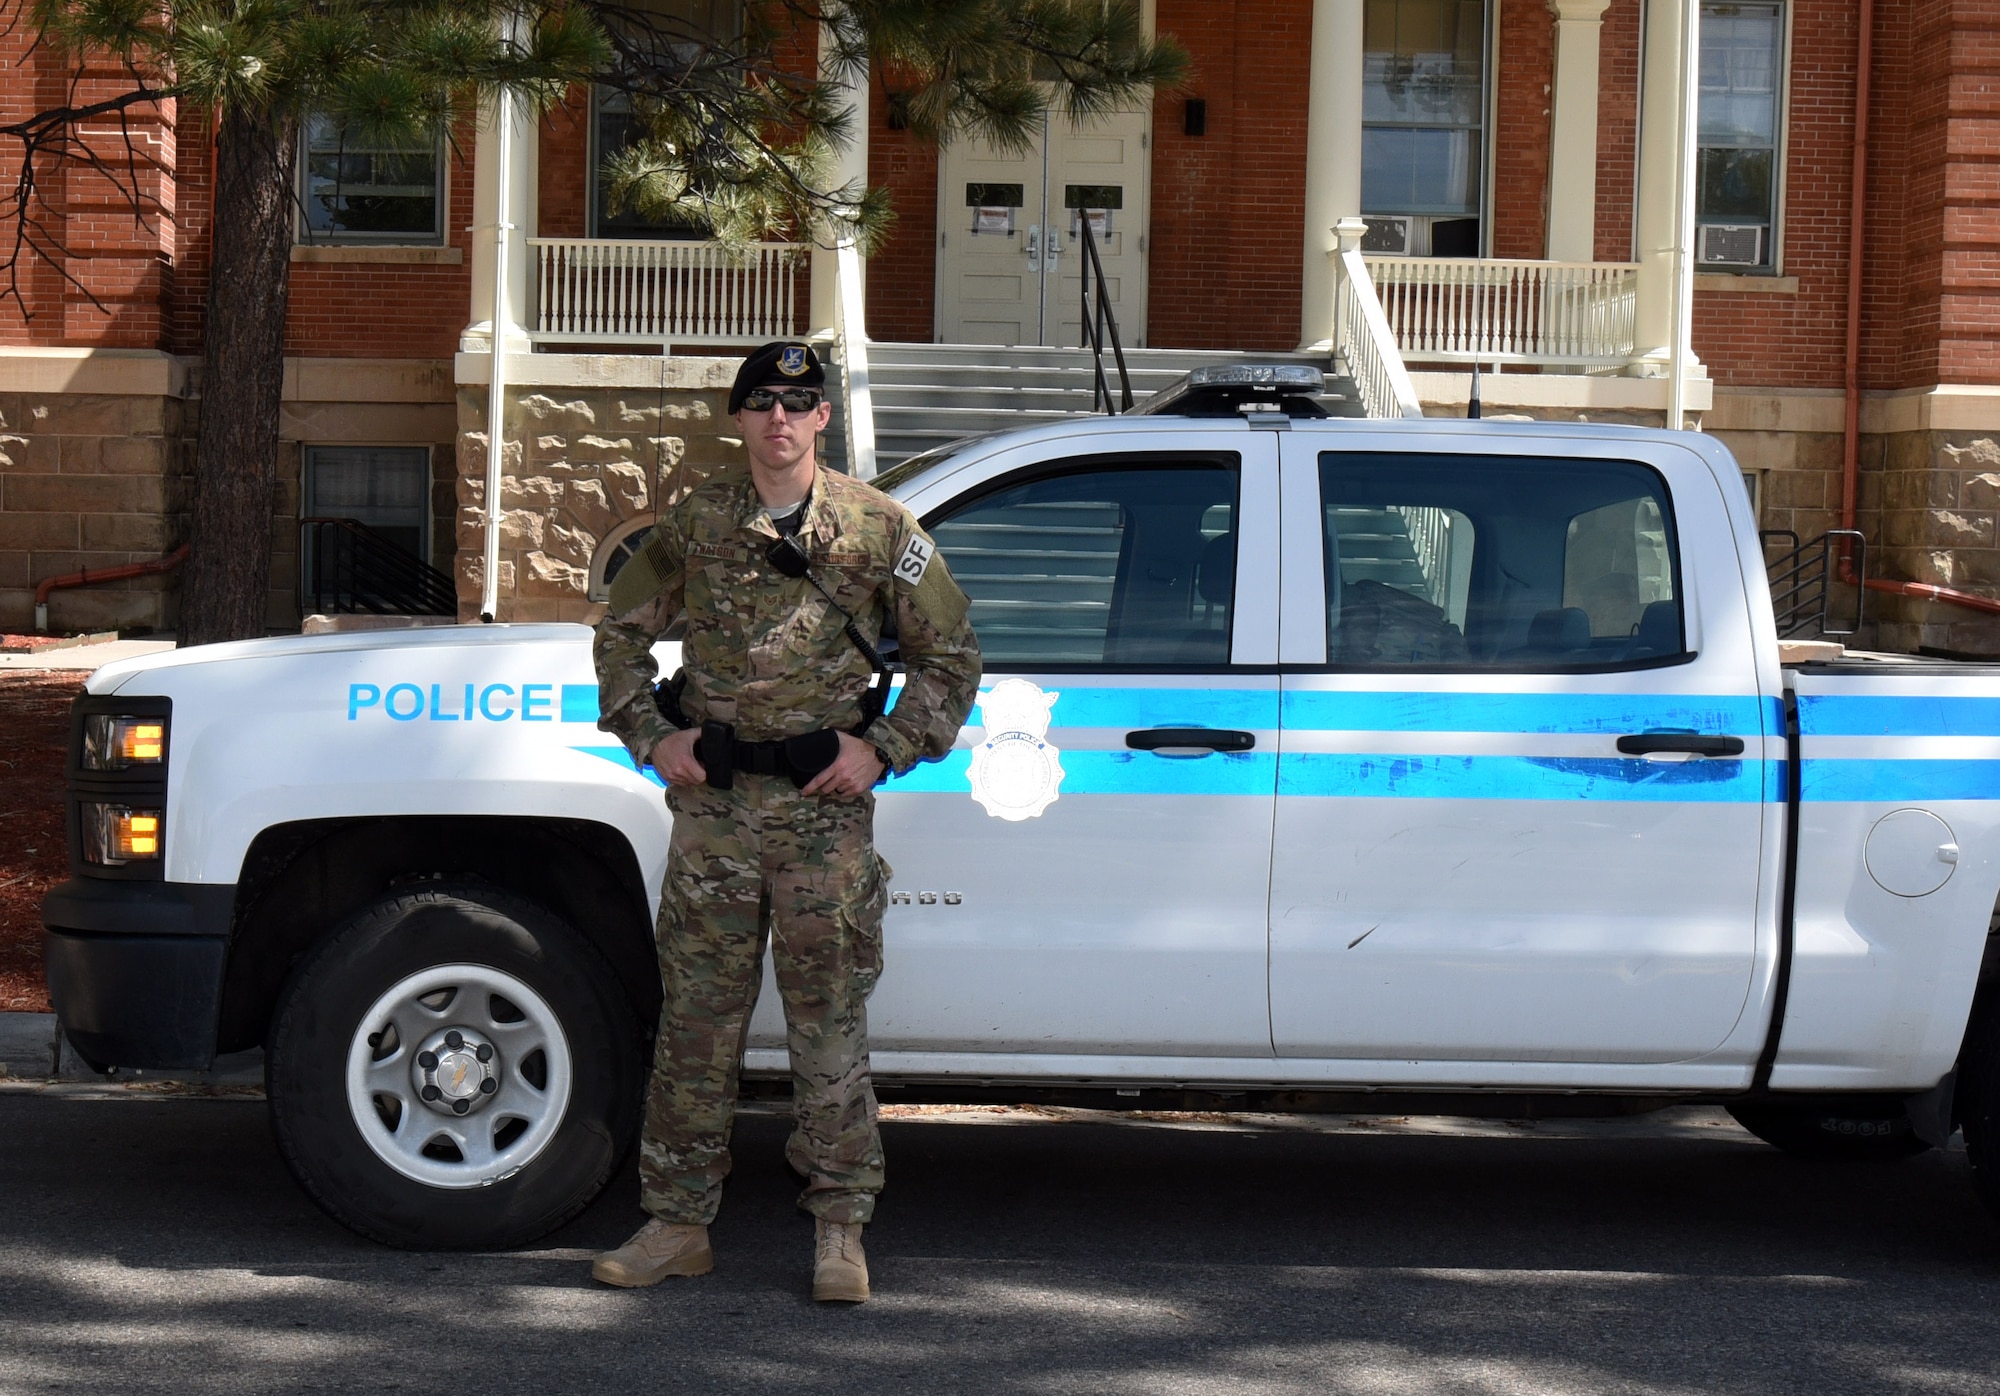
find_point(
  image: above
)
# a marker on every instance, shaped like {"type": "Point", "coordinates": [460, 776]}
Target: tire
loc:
{"type": "Point", "coordinates": [1978, 1100]}
{"type": "Point", "coordinates": [1834, 1130]}
{"type": "Point", "coordinates": [531, 1092]}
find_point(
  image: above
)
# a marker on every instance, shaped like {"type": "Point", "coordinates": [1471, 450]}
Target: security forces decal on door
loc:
{"type": "Point", "coordinates": [1015, 772]}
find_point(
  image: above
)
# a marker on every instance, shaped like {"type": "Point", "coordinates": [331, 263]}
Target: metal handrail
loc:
{"type": "Point", "coordinates": [347, 568]}
{"type": "Point", "coordinates": [1802, 579]}
{"type": "Point", "coordinates": [1100, 398]}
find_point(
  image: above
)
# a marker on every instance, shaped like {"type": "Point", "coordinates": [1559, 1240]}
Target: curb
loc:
{"type": "Point", "coordinates": [32, 1048]}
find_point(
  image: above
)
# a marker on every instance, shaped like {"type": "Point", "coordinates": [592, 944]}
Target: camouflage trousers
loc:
{"type": "Point", "coordinates": [763, 858]}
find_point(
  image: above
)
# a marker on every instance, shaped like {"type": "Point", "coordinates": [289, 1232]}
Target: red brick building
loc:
{"type": "Point", "coordinates": [1488, 155]}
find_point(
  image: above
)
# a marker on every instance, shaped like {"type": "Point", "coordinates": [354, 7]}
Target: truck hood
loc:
{"type": "Point", "coordinates": [116, 675]}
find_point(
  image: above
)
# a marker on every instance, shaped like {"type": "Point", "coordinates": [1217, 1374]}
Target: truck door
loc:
{"type": "Point", "coordinates": [1089, 872]}
{"type": "Point", "coordinates": [1522, 807]}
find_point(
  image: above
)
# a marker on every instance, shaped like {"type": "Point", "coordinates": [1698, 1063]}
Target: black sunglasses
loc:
{"type": "Point", "coordinates": [794, 399]}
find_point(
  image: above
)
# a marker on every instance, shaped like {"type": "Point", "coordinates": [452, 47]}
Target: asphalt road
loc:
{"type": "Point", "coordinates": [157, 1244]}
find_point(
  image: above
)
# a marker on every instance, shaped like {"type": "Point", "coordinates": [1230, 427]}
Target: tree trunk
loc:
{"type": "Point", "coordinates": [225, 590]}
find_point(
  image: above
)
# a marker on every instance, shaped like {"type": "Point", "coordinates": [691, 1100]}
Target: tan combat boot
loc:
{"type": "Point", "coordinates": [840, 1270]}
{"type": "Point", "coordinates": [658, 1249]}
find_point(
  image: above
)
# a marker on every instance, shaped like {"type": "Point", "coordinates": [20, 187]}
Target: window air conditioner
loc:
{"type": "Point", "coordinates": [1730, 245]}
{"type": "Point", "coordinates": [1389, 236]}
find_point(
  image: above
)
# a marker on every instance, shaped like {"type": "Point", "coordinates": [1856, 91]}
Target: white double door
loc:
{"type": "Point", "coordinates": [1010, 250]}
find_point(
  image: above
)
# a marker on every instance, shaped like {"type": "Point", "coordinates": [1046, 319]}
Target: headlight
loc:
{"type": "Point", "coordinates": [114, 835]}
{"type": "Point", "coordinates": [112, 743]}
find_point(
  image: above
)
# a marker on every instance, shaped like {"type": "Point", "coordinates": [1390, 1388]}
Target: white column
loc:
{"type": "Point", "coordinates": [519, 151]}
{"type": "Point", "coordinates": [1663, 158]}
{"type": "Point", "coordinates": [1573, 139]}
{"type": "Point", "coordinates": [850, 166]}
{"type": "Point", "coordinates": [1333, 157]}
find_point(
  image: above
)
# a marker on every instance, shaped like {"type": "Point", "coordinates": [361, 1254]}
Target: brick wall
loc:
{"type": "Point", "coordinates": [902, 276]}
{"type": "Point", "coordinates": [1954, 194]}
{"type": "Point", "coordinates": [1617, 129]}
{"type": "Point", "coordinates": [563, 207]}
{"type": "Point", "coordinates": [1520, 170]}
{"type": "Point", "coordinates": [1229, 206]}
{"type": "Point", "coordinates": [113, 240]}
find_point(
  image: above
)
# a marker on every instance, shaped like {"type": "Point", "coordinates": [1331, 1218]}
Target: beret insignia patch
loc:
{"type": "Point", "coordinates": [792, 361]}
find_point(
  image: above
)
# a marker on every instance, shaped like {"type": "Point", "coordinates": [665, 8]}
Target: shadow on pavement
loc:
{"type": "Point", "coordinates": [155, 1244]}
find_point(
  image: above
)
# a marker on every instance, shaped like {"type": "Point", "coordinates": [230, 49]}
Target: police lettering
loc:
{"type": "Point", "coordinates": [470, 702]}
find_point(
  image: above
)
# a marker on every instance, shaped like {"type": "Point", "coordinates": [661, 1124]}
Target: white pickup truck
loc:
{"type": "Point", "coordinates": [1436, 764]}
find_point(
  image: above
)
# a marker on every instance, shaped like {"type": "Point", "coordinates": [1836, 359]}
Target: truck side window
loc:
{"type": "Point", "coordinates": [1095, 564]}
{"type": "Point", "coordinates": [1477, 562]}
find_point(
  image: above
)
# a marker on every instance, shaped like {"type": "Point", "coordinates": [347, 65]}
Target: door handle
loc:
{"type": "Point", "coordinates": [1211, 738]}
{"type": "Point", "coordinates": [1648, 743]}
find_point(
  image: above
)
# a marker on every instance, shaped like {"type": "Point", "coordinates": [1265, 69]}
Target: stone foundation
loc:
{"type": "Point", "coordinates": [592, 445]}
{"type": "Point", "coordinates": [93, 468]}
{"type": "Point", "coordinates": [1929, 503]}
{"type": "Point", "coordinates": [97, 460]}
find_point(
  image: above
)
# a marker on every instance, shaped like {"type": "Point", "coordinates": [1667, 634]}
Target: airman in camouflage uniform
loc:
{"type": "Point", "coordinates": [767, 653]}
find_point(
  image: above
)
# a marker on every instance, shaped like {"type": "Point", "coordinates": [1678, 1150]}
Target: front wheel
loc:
{"type": "Point", "coordinates": [454, 1067]}
{"type": "Point", "coordinates": [1833, 1130]}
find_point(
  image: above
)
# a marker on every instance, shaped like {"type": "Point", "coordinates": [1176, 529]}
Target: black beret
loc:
{"type": "Point", "coordinates": [782, 361]}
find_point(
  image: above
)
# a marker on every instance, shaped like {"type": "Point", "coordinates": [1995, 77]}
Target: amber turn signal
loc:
{"type": "Point", "coordinates": [112, 743]}
{"type": "Point", "coordinates": [114, 835]}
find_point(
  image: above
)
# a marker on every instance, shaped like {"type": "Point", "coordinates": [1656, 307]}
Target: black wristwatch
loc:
{"type": "Point", "coordinates": [888, 766]}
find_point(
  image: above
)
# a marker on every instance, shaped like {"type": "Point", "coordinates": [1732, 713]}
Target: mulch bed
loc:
{"type": "Point", "coordinates": [34, 728]}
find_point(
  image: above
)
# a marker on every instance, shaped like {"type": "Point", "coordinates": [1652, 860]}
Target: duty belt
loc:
{"type": "Point", "coordinates": [799, 758]}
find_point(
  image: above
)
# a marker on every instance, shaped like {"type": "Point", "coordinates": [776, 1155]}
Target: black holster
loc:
{"type": "Point", "coordinates": [715, 748]}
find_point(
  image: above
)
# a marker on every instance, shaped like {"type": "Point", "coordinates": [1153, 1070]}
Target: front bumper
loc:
{"type": "Point", "coordinates": [135, 969]}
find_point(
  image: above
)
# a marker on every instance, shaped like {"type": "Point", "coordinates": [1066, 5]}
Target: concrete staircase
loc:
{"type": "Point", "coordinates": [929, 394]}
{"type": "Point", "coordinates": [1375, 545]}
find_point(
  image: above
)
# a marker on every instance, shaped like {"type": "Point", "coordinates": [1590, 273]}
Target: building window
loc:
{"type": "Point", "coordinates": [1423, 142]}
{"type": "Point", "coordinates": [670, 31]}
{"type": "Point", "coordinates": [385, 488]}
{"type": "Point", "coordinates": [1736, 180]}
{"type": "Point", "coordinates": [613, 128]}
{"type": "Point", "coordinates": [370, 190]}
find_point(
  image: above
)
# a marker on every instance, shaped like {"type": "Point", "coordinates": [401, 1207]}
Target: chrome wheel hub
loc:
{"type": "Point", "coordinates": [458, 1076]}
{"type": "Point", "coordinates": [456, 1072]}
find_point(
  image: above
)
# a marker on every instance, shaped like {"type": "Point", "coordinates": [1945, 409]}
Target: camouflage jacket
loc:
{"type": "Point", "coordinates": [764, 651]}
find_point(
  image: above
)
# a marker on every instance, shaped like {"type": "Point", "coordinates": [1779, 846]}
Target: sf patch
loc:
{"type": "Point", "coordinates": [792, 360]}
{"type": "Point", "coordinates": [916, 559]}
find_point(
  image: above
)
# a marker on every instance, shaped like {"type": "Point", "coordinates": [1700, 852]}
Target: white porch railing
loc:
{"type": "Point", "coordinates": [595, 290]}
{"type": "Point", "coordinates": [1462, 310]}
{"type": "Point", "coordinates": [1361, 336]}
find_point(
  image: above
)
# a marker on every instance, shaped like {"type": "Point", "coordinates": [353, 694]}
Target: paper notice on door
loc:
{"type": "Point", "coordinates": [992, 219]}
{"type": "Point", "coordinates": [1100, 222]}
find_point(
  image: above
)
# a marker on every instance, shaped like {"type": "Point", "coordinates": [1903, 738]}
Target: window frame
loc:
{"type": "Point", "coordinates": [1483, 149]}
{"type": "Point", "coordinates": [1098, 462]}
{"type": "Point", "coordinates": [305, 235]}
{"type": "Point", "coordinates": [1774, 241]}
{"type": "Point", "coordinates": [1687, 654]}
{"type": "Point", "coordinates": [594, 198]}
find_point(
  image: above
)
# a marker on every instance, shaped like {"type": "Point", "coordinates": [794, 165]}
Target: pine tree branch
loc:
{"type": "Point", "coordinates": [49, 140]}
